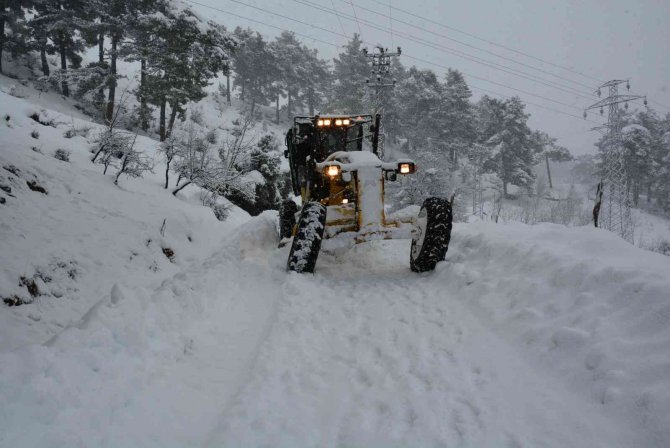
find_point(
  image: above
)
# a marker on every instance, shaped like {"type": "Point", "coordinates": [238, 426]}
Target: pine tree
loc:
{"type": "Point", "coordinates": [12, 27]}
{"type": "Point", "coordinates": [290, 58]}
{"type": "Point", "coordinates": [265, 159]}
{"type": "Point", "coordinates": [420, 95]}
{"type": "Point", "coordinates": [255, 68]}
{"type": "Point", "coordinates": [457, 128]}
{"type": "Point", "coordinates": [513, 149]}
{"type": "Point", "coordinates": [61, 20]}
{"type": "Point", "coordinates": [636, 142]}
{"type": "Point", "coordinates": [315, 78]}
{"type": "Point", "coordinates": [350, 70]}
{"type": "Point", "coordinates": [663, 173]}
{"type": "Point", "coordinates": [182, 57]}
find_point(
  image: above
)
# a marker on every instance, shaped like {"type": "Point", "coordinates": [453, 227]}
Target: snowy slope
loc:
{"type": "Point", "coordinates": [84, 234]}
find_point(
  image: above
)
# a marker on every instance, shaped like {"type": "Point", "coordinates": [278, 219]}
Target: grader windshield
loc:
{"type": "Point", "coordinates": [313, 139]}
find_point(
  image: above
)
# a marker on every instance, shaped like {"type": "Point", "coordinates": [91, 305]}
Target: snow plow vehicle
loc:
{"type": "Point", "coordinates": [336, 170]}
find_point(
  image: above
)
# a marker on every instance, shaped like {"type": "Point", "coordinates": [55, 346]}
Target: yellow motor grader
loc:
{"type": "Point", "coordinates": [336, 170]}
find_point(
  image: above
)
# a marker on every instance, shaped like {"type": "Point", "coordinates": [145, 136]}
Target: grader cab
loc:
{"type": "Point", "coordinates": [336, 171]}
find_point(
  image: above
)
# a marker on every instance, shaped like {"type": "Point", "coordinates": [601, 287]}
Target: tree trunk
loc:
{"type": "Point", "coordinates": [144, 110]}
{"type": "Point", "coordinates": [505, 188]}
{"type": "Point", "coordinates": [112, 77]}
{"type": "Point", "coordinates": [124, 164]}
{"type": "Point", "coordinates": [2, 36]}
{"type": "Point", "coordinates": [181, 187]}
{"type": "Point", "coordinates": [546, 159]}
{"type": "Point", "coordinates": [228, 89]}
{"type": "Point", "coordinates": [167, 172]}
{"type": "Point", "coordinates": [62, 48]}
{"type": "Point", "coordinates": [43, 57]}
{"type": "Point", "coordinates": [243, 89]}
{"type": "Point", "coordinates": [100, 100]}
{"type": "Point", "coordinates": [289, 105]}
{"type": "Point", "coordinates": [277, 110]}
{"type": "Point", "coordinates": [162, 120]}
{"type": "Point", "coordinates": [102, 147]}
{"type": "Point", "coordinates": [173, 115]}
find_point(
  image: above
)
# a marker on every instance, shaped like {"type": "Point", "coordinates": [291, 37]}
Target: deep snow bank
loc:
{"type": "Point", "coordinates": [591, 309]}
{"type": "Point", "coordinates": [124, 374]}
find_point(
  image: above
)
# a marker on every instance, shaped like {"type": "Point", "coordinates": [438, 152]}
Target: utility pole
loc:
{"type": "Point", "coordinates": [614, 210]}
{"type": "Point", "coordinates": [379, 80]}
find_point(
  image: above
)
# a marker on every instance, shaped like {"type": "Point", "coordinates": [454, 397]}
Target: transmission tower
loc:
{"type": "Point", "coordinates": [615, 207]}
{"type": "Point", "coordinates": [380, 81]}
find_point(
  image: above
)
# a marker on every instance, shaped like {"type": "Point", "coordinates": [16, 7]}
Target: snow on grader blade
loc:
{"type": "Point", "coordinates": [336, 171]}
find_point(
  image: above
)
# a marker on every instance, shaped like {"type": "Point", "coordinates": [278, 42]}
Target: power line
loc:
{"type": "Point", "coordinates": [481, 89]}
{"type": "Point", "coordinates": [332, 2]}
{"type": "Point", "coordinates": [465, 33]}
{"type": "Point", "coordinates": [497, 45]}
{"type": "Point", "coordinates": [360, 33]}
{"type": "Point", "coordinates": [444, 36]}
{"type": "Point", "coordinates": [193, 2]}
{"type": "Point", "coordinates": [345, 36]}
{"type": "Point", "coordinates": [391, 24]}
{"type": "Point", "coordinates": [491, 64]}
{"type": "Point", "coordinates": [503, 95]}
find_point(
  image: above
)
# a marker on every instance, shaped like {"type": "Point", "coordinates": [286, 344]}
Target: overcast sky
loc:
{"type": "Point", "coordinates": [603, 39]}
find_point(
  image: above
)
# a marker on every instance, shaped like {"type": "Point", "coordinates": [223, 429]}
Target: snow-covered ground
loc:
{"type": "Point", "coordinates": [85, 233]}
{"type": "Point", "coordinates": [525, 336]}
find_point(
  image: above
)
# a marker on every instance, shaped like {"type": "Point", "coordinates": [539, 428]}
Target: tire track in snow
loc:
{"type": "Point", "coordinates": [384, 357]}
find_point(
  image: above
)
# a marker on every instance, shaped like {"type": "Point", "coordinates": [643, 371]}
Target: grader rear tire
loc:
{"type": "Point", "coordinates": [431, 240]}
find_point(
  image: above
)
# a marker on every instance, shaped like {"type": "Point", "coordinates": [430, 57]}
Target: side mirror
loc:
{"type": "Point", "coordinates": [286, 153]}
{"type": "Point", "coordinates": [391, 176]}
{"type": "Point", "coordinates": [372, 128]}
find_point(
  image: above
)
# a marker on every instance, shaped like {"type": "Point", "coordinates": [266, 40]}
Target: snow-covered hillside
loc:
{"type": "Point", "coordinates": [83, 233]}
{"type": "Point", "coordinates": [525, 336]}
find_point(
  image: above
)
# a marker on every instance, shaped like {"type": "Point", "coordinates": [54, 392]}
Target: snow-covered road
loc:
{"type": "Point", "coordinates": [364, 353]}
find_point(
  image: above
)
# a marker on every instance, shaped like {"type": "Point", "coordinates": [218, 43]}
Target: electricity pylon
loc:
{"type": "Point", "coordinates": [614, 214]}
{"type": "Point", "coordinates": [379, 81]}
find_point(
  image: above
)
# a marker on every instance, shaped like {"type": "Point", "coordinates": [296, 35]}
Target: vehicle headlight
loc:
{"type": "Point", "coordinates": [333, 170]}
{"type": "Point", "coordinates": [405, 168]}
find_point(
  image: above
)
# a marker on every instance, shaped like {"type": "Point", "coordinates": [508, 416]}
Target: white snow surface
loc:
{"type": "Point", "coordinates": [525, 336]}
